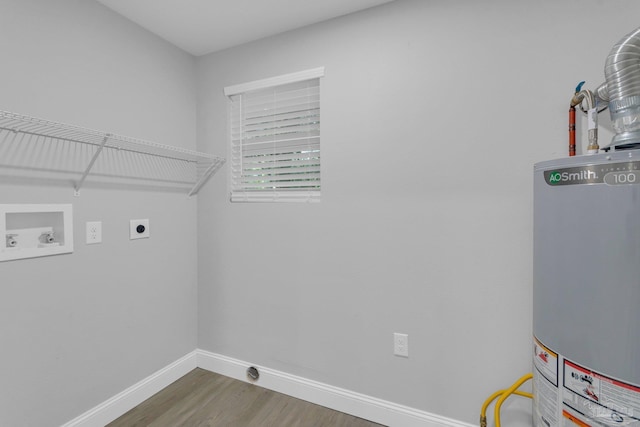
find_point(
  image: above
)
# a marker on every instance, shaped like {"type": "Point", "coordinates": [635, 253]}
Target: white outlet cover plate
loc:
{"type": "Point", "coordinates": [133, 229]}
{"type": "Point", "coordinates": [94, 232]}
{"type": "Point", "coordinates": [401, 345]}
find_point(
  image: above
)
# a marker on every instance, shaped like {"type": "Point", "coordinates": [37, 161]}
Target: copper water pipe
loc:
{"type": "Point", "coordinates": [572, 131]}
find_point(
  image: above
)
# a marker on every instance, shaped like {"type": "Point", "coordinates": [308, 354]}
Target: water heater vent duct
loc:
{"type": "Point", "coordinates": [622, 89]}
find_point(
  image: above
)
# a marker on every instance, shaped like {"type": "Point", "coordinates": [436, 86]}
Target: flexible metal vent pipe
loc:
{"type": "Point", "coordinates": [622, 89]}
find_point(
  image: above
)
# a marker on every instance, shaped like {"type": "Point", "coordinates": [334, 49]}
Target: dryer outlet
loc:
{"type": "Point", "coordinates": [139, 229]}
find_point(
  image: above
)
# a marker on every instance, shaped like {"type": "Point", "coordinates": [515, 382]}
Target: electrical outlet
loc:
{"type": "Point", "coordinates": [401, 345]}
{"type": "Point", "coordinates": [139, 229]}
{"type": "Point", "coordinates": [94, 232]}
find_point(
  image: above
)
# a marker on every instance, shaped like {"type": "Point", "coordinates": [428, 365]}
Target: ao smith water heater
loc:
{"type": "Point", "coordinates": [586, 295]}
{"type": "Point", "coordinates": [587, 290]}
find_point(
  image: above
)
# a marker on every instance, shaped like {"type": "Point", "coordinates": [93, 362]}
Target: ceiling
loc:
{"type": "Point", "coordinates": [204, 26]}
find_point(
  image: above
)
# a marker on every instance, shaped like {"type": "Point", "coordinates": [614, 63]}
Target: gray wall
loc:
{"type": "Point", "coordinates": [433, 114]}
{"type": "Point", "coordinates": [77, 329]}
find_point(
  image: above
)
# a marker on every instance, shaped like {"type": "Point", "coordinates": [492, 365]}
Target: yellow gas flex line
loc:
{"type": "Point", "coordinates": [504, 394]}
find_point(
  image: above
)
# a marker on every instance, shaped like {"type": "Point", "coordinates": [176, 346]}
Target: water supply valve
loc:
{"type": "Point", "coordinates": [11, 240]}
{"type": "Point", "coordinates": [47, 237]}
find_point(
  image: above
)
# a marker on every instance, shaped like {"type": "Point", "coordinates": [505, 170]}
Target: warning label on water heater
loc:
{"type": "Point", "coordinates": [545, 361]}
{"type": "Point", "coordinates": [600, 398]}
{"type": "Point", "coordinates": [568, 394]}
{"type": "Point", "coordinates": [545, 385]}
{"type": "Point", "coordinates": [624, 173]}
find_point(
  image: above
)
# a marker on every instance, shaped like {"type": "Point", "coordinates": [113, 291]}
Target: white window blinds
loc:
{"type": "Point", "coordinates": [274, 131]}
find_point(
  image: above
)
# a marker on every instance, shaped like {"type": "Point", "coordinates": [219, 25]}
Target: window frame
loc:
{"type": "Point", "coordinates": [232, 92]}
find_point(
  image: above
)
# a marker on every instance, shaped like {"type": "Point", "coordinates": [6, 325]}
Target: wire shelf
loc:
{"type": "Point", "coordinates": [29, 145]}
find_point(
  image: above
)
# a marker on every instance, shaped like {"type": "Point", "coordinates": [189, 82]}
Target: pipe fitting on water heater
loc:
{"type": "Point", "coordinates": [592, 116]}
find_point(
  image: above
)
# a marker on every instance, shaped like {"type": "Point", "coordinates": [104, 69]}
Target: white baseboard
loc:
{"type": "Point", "coordinates": [359, 405]}
{"type": "Point", "coordinates": [122, 402]}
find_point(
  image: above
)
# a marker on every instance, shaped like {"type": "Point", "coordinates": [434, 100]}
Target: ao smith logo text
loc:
{"type": "Point", "coordinates": [573, 176]}
{"type": "Point", "coordinates": [583, 175]}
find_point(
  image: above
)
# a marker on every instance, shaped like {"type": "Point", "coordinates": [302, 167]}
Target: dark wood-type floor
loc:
{"type": "Point", "coordinates": [202, 398]}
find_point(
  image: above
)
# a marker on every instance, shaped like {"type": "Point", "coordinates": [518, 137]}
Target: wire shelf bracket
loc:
{"type": "Point", "coordinates": [91, 163]}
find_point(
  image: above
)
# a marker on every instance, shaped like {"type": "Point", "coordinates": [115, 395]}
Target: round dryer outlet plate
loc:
{"type": "Point", "coordinates": [139, 229]}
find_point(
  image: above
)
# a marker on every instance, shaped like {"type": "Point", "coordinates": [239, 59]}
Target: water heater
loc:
{"type": "Point", "coordinates": [586, 294]}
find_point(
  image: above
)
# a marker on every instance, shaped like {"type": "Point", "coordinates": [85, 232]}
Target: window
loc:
{"type": "Point", "coordinates": [274, 132]}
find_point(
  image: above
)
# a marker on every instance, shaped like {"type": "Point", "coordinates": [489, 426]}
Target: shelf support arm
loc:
{"type": "Point", "coordinates": [91, 163]}
{"type": "Point", "coordinates": [205, 176]}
